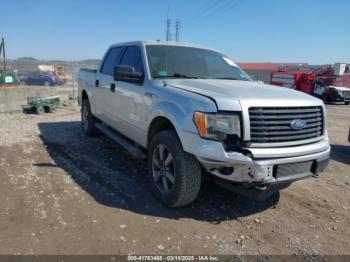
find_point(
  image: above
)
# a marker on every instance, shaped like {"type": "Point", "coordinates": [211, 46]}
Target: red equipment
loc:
{"type": "Point", "coordinates": [320, 82]}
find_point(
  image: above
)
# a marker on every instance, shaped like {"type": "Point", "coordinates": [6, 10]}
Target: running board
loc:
{"type": "Point", "coordinates": [129, 146]}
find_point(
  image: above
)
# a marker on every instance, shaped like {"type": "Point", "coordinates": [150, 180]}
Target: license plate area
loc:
{"type": "Point", "coordinates": [293, 169]}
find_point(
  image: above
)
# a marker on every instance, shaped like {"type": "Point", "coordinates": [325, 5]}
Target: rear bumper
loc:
{"type": "Point", "coordinates": [259, 165]}
{"type": "Point", "coordinates": [339, 99]}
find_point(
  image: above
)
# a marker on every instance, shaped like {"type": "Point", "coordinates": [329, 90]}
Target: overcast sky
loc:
{"type": "Point", "coordinates": [313, 31]}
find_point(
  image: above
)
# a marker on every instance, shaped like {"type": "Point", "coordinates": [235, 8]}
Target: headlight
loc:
{"type": "Point", "coordinates": [217, 126]}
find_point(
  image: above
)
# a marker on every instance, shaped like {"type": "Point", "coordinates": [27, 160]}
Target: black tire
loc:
{"type": "Point", "coordinates": [87, 119]}
{"type": "Point", "coordinates": [347, 102]}
{"type": "Point", "coordinates": [40, 110]}
{"type": "Point", "coordinates": [325, 99]}
{"type": "Point", "coordinates": [187, 173]}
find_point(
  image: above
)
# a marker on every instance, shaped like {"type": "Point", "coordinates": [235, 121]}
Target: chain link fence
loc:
{"type": "Point", "coordinates": [61, 74]}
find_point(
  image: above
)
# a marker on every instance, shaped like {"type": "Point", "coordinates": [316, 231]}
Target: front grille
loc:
{"type": "Point", "coordinates": [273, 124]}
{"type": "Point", "coordinates": [294, 169]}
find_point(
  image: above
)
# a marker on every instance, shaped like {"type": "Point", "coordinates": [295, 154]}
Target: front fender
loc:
{"type": "Point", "coordinates": [180, 117]}
{"type": "Point", "coordinates": [178, 106]}
{"type": "Point", "coordinates": [174, 113]}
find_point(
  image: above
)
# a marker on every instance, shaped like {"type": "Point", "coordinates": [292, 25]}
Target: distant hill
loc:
{"type": "Point", "coordinates": [27, 58]}
{"type": "Point", "coordinates": [90, 61]}
{"type": "Point", "coordinates": [57, 61]}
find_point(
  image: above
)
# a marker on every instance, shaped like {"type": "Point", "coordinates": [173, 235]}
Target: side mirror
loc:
{"type": "Point", "coordinates": [127, 73]}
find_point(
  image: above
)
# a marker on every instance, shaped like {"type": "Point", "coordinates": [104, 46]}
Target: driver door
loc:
{"type": "Point", "coordinates": [131, 108]}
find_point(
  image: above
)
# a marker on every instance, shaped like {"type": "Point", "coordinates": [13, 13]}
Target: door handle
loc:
{"type": "Point", "coordinates": [113, 88]}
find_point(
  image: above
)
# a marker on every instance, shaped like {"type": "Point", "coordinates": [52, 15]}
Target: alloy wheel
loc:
{"type": "Point", "coordinates": [163, 168]}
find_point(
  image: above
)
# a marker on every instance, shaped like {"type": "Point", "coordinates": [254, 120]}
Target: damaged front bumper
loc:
{"type": "Point", "coordinates": [259, 167]}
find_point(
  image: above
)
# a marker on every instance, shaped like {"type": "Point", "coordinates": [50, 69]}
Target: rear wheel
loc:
{"type": "Point", "coordinates": [175, 175]}
{"type": "Point", "coordinates": [347, 102]}
{"type": "Point", "coordinates": [87, 119]}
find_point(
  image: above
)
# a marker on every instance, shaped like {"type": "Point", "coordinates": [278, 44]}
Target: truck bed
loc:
{"type": "Point", "coordinates": [86, 79]}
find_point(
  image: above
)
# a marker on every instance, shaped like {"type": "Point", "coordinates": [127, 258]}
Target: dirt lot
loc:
{"type": "Point", "coordinates": [63, 193]}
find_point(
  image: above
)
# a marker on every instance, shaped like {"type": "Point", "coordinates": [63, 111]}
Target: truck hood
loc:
{"type": "Point", "coordinates": [234, 94]}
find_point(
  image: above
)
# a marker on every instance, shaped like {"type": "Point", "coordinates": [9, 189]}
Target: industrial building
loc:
{"type": "Point", "coordinates": [262, 71]}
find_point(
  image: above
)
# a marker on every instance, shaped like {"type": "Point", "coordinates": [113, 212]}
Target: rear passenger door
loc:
{"type": "Point", "coordinates": [104, 95]}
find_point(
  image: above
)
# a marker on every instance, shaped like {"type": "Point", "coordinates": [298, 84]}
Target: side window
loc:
{"type": "Point", "coordinates": [132, 57]}
{"type": "Point", "coordinates": [111, 60]}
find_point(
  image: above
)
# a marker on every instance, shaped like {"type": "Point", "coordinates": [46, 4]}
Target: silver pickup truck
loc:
{"type": "Point", "coordinates": [191, 111]}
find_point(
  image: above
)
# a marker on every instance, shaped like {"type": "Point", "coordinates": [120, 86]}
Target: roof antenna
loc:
{"type": "Point", "coordinates": [2, 50]}
{"type": "Point", "coordinates": [168, 25]}
{"type": "Point", "coordinates": [168, 38]}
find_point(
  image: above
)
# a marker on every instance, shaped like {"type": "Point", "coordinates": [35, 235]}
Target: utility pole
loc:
{"type": "Point", "coordinates": [2, 47]}
{"type": "Point", "coordinates": [168, 33]}
{"type": "Point", "coordinates": [178, 27]}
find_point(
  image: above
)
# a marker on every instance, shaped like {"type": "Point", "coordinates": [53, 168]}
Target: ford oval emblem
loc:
{"type": "Point", "coordinates": [298, 124]}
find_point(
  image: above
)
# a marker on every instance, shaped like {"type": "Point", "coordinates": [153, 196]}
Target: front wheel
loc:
{"type": "Point", "coordinates": [347, 102]}
{"type": "Point", "coordinates": [175, 175]}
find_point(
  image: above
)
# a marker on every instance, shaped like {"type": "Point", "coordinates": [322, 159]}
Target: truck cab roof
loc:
{"type": "Point", "coordinates": [160, 42]}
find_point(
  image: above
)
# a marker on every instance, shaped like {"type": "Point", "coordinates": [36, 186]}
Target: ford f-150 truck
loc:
{"type": "Point", "coordinates": [191, 111]}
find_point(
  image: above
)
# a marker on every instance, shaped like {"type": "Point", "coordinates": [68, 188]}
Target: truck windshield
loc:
{"type": "Point", "coordinates": [188, 62]}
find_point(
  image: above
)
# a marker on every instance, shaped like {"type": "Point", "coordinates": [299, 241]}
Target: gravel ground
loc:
{"type": "Point", "coordinates": [63, 193]}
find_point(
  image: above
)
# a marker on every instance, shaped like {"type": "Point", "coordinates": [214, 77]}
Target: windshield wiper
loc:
{"type": "Point", "coordinates": [177, 75]}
